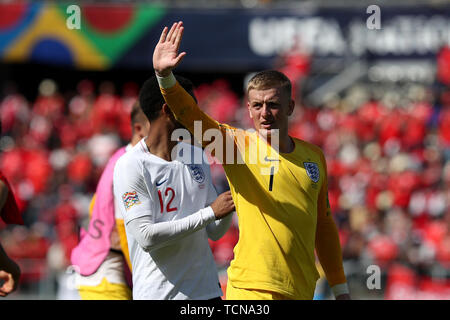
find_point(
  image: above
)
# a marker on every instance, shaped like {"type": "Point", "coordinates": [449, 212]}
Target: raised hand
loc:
{"type": "Point", "coordinates": [165, 55]}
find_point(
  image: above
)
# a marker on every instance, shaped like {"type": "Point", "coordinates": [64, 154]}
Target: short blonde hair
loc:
{"type": "Point", "coordinates": [270, 79]}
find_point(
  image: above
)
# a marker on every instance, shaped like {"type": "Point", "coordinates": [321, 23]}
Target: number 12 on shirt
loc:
{"type": "Point", "coordinates": [170, 195]}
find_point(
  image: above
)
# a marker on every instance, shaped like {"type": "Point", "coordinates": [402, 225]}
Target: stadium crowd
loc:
{"type": "Point", "coordinates": [387, 150]}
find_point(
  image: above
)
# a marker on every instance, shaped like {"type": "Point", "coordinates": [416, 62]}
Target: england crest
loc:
{"type": "Point", "coordinates": [196, 172]}
{"type": "Point", "coordinates": [312, 169]}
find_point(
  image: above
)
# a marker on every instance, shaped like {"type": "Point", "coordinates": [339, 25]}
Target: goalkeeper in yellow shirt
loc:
{"type": "Point", "coordinates": [278, 183]}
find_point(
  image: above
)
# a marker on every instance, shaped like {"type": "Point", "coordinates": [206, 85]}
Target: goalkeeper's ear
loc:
{"type": "Point", "coordinates": [166, 110]}
{"type": "Point", "coordinates": [249, 112]}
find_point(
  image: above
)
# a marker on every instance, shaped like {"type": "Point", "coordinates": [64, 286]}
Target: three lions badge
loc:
{"type": "Point", "coordinates": [196, 172]}
{"type": "Point", "coordinates": [312, 169]}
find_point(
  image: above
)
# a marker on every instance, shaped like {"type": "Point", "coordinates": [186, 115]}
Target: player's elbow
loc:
{"type": "Point", "coordinates": [149, 243]}
{"type": "Point", "coordinates": [145, 237]}
{"type": "Point", "coordinates": [146, 244]}
{"type": "Point", "coordinates": [218, 228]}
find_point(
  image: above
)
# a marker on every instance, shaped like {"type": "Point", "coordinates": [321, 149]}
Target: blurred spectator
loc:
{"type": "Point", "coordinates": [218, 100]}
{"type": "Point", "coordinates": [443, 65]}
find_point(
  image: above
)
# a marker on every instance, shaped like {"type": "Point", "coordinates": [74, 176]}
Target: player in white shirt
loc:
{"type": "Point", "coordinates": [170, 208]}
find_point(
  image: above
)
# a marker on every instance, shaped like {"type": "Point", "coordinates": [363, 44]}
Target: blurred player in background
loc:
{"type": "Point", "coordinates": [281, 199]}
{"type": "Point", "coordinates": [101, 259]}
{"type": "Point", "coordinates": [10, 214]}
{"type": "Point", "coordinates": [170, 208]}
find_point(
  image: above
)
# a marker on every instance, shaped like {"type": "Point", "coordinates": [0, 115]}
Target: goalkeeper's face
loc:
{"type": "Point", "coordinates": [270, 109]}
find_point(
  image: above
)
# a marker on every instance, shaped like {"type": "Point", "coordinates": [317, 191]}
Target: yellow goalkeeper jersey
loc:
{"type": "Point", "coordinates": [282, 206]}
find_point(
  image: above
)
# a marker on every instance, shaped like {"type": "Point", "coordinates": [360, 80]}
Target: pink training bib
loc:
{"type": "Point", "coordinates": [95, 243]}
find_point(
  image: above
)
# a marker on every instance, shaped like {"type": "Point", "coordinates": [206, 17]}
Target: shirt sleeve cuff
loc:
{"type": "Point", "coordinates": [208, 214]}
{"type": "Point", "coordinates": [340, 289]}
{"type": "Point", "coordinates": [166, 82]}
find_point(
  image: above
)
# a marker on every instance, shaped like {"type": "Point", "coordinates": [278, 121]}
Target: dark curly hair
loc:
{"type": "Point", "coordinates": [151, 99]}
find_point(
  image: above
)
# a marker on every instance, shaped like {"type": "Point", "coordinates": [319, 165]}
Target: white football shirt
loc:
{"type": "Point", "coordinates": [180, 266]}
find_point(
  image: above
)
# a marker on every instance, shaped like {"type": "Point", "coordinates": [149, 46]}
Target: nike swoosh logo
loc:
{"type": "Point", "coordinates": [160, 183]}
{"type": "Point", "coordinates": [267, 159]}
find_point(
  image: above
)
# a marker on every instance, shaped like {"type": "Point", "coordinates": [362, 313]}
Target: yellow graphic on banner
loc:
{"type": "Point", "coordinates": [51, 24]}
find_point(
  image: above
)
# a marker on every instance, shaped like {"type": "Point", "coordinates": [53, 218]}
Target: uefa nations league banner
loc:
{"type": "Point", "coordinates": [101, 37]}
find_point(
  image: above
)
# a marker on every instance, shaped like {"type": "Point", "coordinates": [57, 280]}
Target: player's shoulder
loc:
{"type": "Point", "coordinates": [191, 146]}
{"type": "Point", "coordinates": [118, 153]}
{"type": "Point", "coordinates": [198, 157]}
{"type": "Point", "coordinates": [196, 153]}
{"type": "Point", "coordinates": [132, 158]}
{"type": "Point", "coordinates": [226, 126]}
{"type": "Point", "coordinates": [115, 156]}
{"type": "Point", "coordinates": [309, 147]}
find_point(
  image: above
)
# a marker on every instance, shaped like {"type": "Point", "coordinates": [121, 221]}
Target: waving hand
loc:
{"type": "Point", "coordinates": [166, 56]}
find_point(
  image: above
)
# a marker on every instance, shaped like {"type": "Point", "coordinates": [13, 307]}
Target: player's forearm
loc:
{"type": "Point", "coordinates": [329, 251]}
{"type": "Point", "coordinates": [218, 228]}
{"type": "Point", "coordinates": [152, 236]}
{"type": "Point", "coordinates": [328, 246]}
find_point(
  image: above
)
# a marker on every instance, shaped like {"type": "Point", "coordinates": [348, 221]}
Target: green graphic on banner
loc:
{"type": "Point", "coordinates": [114, 29]}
